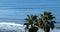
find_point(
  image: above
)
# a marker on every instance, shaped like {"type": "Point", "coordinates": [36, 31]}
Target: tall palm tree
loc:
{"type": "Point", "coordinates": [31, 21]}
{"type": "Point", "coordinates": [46, 22]}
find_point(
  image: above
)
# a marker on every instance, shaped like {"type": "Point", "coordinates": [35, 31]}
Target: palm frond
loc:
{"type": "Point", "coordinates": [53, 21]}
{"type": "Point", "coordinates": [27, 26]}
{"type": "Point", "coordinates": [52, 26]}
{"type": "Point", "coordinates": [34, 17]}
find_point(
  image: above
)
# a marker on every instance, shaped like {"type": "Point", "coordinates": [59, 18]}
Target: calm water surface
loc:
{"type": "Point", "coordinates": [18, 15]}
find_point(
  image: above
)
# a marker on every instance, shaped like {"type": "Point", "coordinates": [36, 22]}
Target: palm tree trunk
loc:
{"type": "Point", "coordinates": [47, 29]}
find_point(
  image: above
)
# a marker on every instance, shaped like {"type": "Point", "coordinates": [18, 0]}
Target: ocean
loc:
{"type": "Point", "coordinates": [18, 15]}
{"type": "Point", "coordinates": [13, 13]}
{"type": "Point", "coordinates": [13, 19]}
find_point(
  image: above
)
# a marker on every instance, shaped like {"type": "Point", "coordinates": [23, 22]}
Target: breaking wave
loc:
{"type": "Point", "coordinates": [11, 27]}
{"type": "Point", "coordinates": [14, 27]}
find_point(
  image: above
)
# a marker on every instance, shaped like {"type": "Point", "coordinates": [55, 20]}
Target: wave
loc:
{"type": "Point", "coordinates": [9, 23]}
{"type": "Point", "coordinates": [14, 27]}
{"type": "Point", "coordinates": [7, 27]}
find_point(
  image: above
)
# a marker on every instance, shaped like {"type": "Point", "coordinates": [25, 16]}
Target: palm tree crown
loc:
{"type": "Point", "coordinates": [31, 21]}
{"type": "Point", "coordinates": [45, 22]}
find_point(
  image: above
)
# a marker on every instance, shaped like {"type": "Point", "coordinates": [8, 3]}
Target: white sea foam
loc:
{"type": "Point", "coordinates": [7, 23]}
{"type": "Point", "coordinates": [5, 26]}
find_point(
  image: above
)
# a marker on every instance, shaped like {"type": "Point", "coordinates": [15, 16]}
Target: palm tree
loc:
{"type": "Point", "coordinates": [31, 22]}
{"type": "Point", "coordinates": [46, 22]}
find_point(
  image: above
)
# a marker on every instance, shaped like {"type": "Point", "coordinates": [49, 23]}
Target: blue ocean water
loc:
{"type": "Point", "coordinates": [16, 10]}
{"type": "Point", "coordinates": [13, 12]}
{"type": "Point", "coordinates": [18, 15]}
